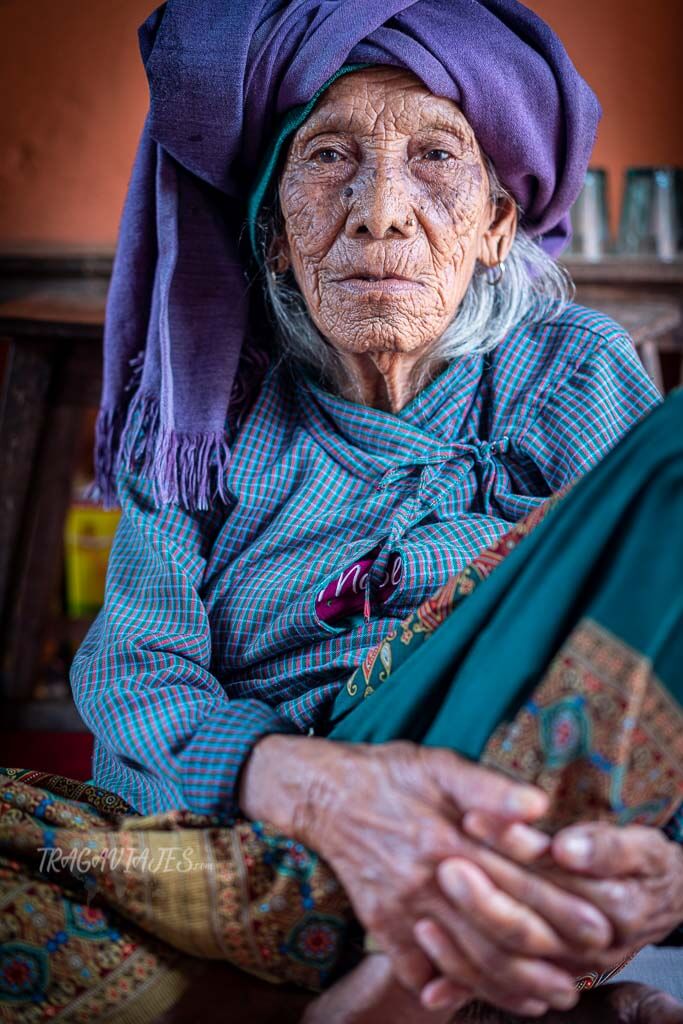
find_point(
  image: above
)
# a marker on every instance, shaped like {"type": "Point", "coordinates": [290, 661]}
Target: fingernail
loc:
{"type": "Point", "coordinates": [563, 999]}
{"type": "Point", "coordinates": [533, 843]}
{"type": "Point", "coordinates": [437, 1002]}
{"type": "Point", "coordinates": [533, 1008]}
{"type": "Point", "coordinates": [525, 803]}
{"type": "Point", "coordinates": [454, 881]}
{"type": "Point", "coordinates": [441, 994]}
{"type": "Point", "coordinates": [593, 934]}
{"type": "Point", "coordinates": [430, 997]}
{"type": "Point", "coordinates": [579, 849]}
{"type": "Point", "coordinates": [474, 825]}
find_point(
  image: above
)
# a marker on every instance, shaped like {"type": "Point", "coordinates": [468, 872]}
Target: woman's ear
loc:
{"type": "Point", "coordinates": [278, 254]}
{"type": "Point", "coordinates": [497, 239]}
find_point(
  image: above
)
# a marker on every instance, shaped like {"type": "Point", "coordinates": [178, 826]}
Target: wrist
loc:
{"type": "Point", "coordinates": [258, 794]}
{"type": "Point", "coordinates": [286, 781]}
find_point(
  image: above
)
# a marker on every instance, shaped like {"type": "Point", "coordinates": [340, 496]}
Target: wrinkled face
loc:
{"type": "Point", "coordinates": [386, 209]}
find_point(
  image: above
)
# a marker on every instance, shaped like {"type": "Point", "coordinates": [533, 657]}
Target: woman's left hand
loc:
{"type": "Point", "coordinates": [632, 874]}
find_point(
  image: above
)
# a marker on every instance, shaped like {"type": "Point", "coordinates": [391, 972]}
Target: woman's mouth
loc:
{"type": "Point", "coordinates": [364, 283]}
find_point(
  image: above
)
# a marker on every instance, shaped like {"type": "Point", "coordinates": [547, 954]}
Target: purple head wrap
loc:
{"type": "Point", "coordinates": [222, 75]}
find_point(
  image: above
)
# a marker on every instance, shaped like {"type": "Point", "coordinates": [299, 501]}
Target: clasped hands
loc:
{"type": "Point", "coordinates": [449, 878]}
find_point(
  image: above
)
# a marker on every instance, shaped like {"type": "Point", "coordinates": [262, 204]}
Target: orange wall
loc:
{"type": "Point", "coordinates": [73, 98]}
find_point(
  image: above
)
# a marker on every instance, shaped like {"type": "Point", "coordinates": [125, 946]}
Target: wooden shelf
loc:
{"type": "Point", "coordinates": [35, 261]}
{"type": "Point", "coordinates": [620, 270]}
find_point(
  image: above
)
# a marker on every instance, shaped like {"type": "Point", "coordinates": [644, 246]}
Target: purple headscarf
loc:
{"type": "Point", "coordinates": [222, 74]}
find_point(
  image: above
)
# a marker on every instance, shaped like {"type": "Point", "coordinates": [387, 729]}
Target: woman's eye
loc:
{"type": "Point", "coordinates": [328, 156]}
{"type": "Point", "coordinates": [437, 154]}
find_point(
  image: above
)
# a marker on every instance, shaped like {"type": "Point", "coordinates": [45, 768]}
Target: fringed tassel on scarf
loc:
{"type": "Point", "coordinates": [189, 470]}
{"type": "Point", "coordinates": [108, 431]}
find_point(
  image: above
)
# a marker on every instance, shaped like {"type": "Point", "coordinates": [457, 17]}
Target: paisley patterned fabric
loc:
{"type": "Point", "coordinates": [600, 735]}
{"type": "Point", "coordinates": [103, 909]}
{"type": "Point", "coordinates": [61, 956]}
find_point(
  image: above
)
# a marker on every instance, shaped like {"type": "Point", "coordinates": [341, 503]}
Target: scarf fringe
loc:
{"type": "Point", "coordinates": [188, 470]}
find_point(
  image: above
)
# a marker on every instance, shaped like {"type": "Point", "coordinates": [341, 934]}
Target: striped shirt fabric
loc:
{"type": "Point", "coordinates": [210, 639]}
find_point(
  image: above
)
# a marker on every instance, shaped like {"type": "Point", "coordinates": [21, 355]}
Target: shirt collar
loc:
{"type": "Point", "coordinates": [421, 432]}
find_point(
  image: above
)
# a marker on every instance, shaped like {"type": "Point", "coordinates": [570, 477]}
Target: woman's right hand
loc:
{"type": "Point", "coordinates": [384, 817]}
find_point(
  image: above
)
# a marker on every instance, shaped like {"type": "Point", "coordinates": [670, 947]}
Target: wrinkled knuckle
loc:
{"type": "Point", "coordinates": [628, 915]}
{"type": "Point", "coordinates": [413, 886]}
{"type": "Point", "coordinates": [491, 960]}
{"type": "Point", "coordinates": [656, 848]}
{"type": "Point", "coordinates": [399, 753]}
{"type": "Point", "coordinates": [529, 891]}
{"type": "Point", "coordinates": [432, 840]}
{"type": "Point", "coordinates": [605, 855]}
{"type": "Point", "coordinates": [509, 988]}
{"type": "Point", "coordinates": [515, 935]}
{"type": "Point", "coordinates": [613, 897]}
{"type": "Point", "coordinates": [439, 760]}
{"type": "Point", "coordinates": [403, 748]}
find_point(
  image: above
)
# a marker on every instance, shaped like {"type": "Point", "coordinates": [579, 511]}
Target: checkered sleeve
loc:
{"type": "Point", "coordinates": [142, 679]}
{"type": "Point", "coordinates": [585, 415]}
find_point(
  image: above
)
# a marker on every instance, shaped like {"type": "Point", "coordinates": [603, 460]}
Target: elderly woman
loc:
{"type": "Point", "coordinates": [297, 527]}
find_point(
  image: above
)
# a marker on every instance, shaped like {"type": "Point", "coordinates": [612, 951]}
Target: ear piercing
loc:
{"type": "Point", "coordinates": [494, 275]}
{"type": "Point", "coordinates": [348, 192]}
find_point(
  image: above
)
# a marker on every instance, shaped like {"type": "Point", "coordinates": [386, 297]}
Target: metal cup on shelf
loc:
{"type": "Point", "coordinates": [651, 222]}
{"type": "Point", "coordinates": [590, 231]}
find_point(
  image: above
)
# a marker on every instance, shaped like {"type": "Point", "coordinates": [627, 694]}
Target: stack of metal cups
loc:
{"type": "Point", "coordinates": [651, 221]}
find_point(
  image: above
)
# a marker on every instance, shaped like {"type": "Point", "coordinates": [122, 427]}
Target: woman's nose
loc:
{"type": "Point", "coordinates": [381, 206]}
